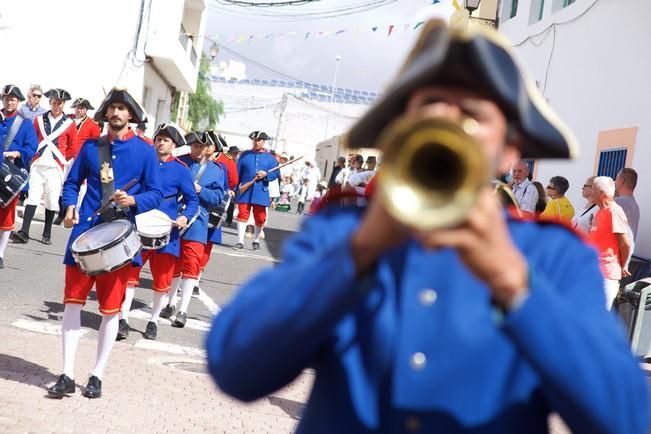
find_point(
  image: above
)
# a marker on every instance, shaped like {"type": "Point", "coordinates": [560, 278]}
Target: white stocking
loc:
{"type": "Point", "coordinates": [256, 238]}
{"type": "Point", "coordinates": [159, 301]}
{"type": "Point", "coordinates": [173, 291]}
{"type": "Point", "coordinates": [71, 329]}
{"type": "Point", "coordinates": [4, 240]}
{"type": "Point", "coordinates": [186, 293]}
{"type": "Point", "coordinates": [241, 230]}
{"type": "Point", "coordinates": [108, 331]}
{"type": "Point", "coordinates": [126, 304]}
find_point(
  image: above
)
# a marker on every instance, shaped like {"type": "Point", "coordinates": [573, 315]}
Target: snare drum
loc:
{"type": "Point", "coordinates": [216, 215]}
{"type": "Point", "coordinates": [12, 181]}
{"type": "Point", "coordinates": [106, 247]}
{"type": "Point", "coordinates": [154, 228]}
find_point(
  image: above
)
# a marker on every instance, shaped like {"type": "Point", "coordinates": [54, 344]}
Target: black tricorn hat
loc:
{"type": "Point", "coordinates": [198, 137]}
{"type": "Point", "coordinates": [11, 90]}
{"type": "Point", "coordinates": [218, 140]}
{"type": "Point", "coordinates": [58, 93]}
{"type": "Point", "coordinates": [121, 96]}
{"type": "Point", "coordinates": [171, 131]}
{"type": "Point", "coordinates": [479, 59]}
{"type": "Point", "coordinates": [82, 102]}
{"type": "Point", "coordinates": [259, 135]}
{"type": "Point", "coordinates": [233, 149]}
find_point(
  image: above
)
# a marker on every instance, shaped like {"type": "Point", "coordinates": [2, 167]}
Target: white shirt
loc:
{"type": "Point", "coordinates": [527, 195]}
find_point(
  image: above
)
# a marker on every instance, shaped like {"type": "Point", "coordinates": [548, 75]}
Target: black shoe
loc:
{"type": "Point", "coordinates": [238, 246]}
{"type": "Point", "coordinates": [151, 331]}
{"type": "Point", "coordinates": [62, 387]}
{"type": "Point", "coordinates": [167, 311]}
{"type": "Point", "coordinates": [180, 319]}
{"type": "Point", "coordinates": [93, 388]}
{"type": "Point", "coordinates": [123, 330]}
{"type": "Point", "coordinates": [46, 240]}
{"type": "Point", "coordinates": [20, 237]}
{"type": "Point", "coordinates": [195, 291]}
{"type": "Point", "coordinates": [2, 264]}
{"type": "Point", "coordinates": [256, 246]}
{"type": "Point", "coordinates": [58, 220]}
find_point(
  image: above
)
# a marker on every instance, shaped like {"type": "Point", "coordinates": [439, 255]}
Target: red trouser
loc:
{"type": "Point", "coordinates": [8, 216]}
{"type": "Point", "coordinates": [189, 262]}
{"type": "Point", "coordinates": [205, 258]}
{"type": "Point", "coordinates": [110, 287]}
{"type": "Point", "coordinates": [162, 270]}
{"type": "Point", "coordinates": [259, 213]}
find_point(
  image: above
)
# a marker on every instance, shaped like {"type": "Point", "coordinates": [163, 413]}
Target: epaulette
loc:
{"type": "Point", "coordinates": [181, 162]}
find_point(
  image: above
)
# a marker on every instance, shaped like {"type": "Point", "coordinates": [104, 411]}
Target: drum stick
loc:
{"type": "Point", "coordinates": [127, 186]}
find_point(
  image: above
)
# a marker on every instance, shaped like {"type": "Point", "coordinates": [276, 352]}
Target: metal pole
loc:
{"type": "Point", "coordinates": [332, 93]}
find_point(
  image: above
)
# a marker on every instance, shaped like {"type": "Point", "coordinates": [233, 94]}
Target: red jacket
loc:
{"type": "Point", "coordinates": [231, 166]}
{"type": "Point", "coordinates": [87, 129]}
{"type": "Point", "coordinates": [66, 142]}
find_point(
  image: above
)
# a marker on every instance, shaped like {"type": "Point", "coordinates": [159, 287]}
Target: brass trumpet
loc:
{"type": "Point", "coordinates": [433, 171]}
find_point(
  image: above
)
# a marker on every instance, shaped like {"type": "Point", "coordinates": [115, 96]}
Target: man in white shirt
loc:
{"type": "Point", "coordinates": [525, 193]}
{"type": "Point", "coordinates": [354, 164]}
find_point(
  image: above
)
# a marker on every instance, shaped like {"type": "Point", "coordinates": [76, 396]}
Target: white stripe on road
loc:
{"type": "Point", "coordinates": [193, 324]}
{"type": "Point", "coordinates": [209, 303]}
{"type": "Point", "coordinates": [170, 348]}
{"type": "Point", "coordinates": [244, 255]}
{"type": "Point", "coordinates": [41, 327]}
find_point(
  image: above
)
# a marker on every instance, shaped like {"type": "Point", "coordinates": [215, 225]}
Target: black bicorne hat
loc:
{"type": "Point", "coordinates": [172, 131]}
{"type": "Point", "coordinates": [121, 96]}
{"type": "Point", "coordinates": [58, 93]}
{"type": "Point", "coordinates": [82, 102]}
{"type": "Point", "coordinates": [11, 90]}
{"type": "Point", "coordinates": [479, 59]}
{"type": "Point", "coordinates": [259, 135]}
{"type": "Point", "coordinates": [198, 137]}
{"type": "Point", "coordinates": [218, 140]}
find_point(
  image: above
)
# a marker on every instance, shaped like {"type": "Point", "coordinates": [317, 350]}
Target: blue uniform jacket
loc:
{"type": "Point", "coordinates": [248, 164]}
{"type": "Point", "coordinates": [176, 179]}
{"type": "Point", "coordinates": [416, 345]}
{"type": "Point", "coordinates": [215, 235]}
{"type": "Point", "coordinates": [24, 142]}
{"type": "Point", "coordinates": [133, 158]}
{"type": "Point", "coordinates": [211, 194]}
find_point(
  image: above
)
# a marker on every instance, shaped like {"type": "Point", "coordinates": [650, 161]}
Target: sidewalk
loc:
{"type": "Point", "coordinates": [144, 391]}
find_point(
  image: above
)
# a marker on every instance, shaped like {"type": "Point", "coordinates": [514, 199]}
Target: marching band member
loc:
{"type": "Point", "coordinates": [209, 185]}
{"type": "Point", "coordinates": [487, 326]}
{"type": "Point", "coordinates": [18, 141]}
{"type": "Point", "coordinates": [177, 182]}
{"type": "Point", "coordinates": [128, 158]}
{"type": "Point", "coordinates": [253, 165]}
{"type": "Point", "coordinates": [57, 149]}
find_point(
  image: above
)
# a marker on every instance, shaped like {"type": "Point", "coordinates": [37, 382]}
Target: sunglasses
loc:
{"type": "Point", "coordinates": [587, 186]}
{"type": "Point", "coordinates": [549, 187]}
{"type": "Point", "coordinates": [37, 95]}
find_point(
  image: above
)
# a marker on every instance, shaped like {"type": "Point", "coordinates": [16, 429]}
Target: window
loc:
{"type": "Point", "coordinates": [514, 8]}
{"type": "Point", "coordinates": [568, 2]}
{"type": "Point", "coordinates": [531, 164]}
{"type": "Point", "coordinates": [611, 161]}
{"type": "Point", "coordinates": [540, 9]}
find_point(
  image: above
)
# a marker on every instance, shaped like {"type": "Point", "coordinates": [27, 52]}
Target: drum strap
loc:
{"type": "Point", "coordinates": [13, 130]}
{"type": "Point", "coordinates": [201, 171]}
{"type": "Point", "coordinates": [106, 177]}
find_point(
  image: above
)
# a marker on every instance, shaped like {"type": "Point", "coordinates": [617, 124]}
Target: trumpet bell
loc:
{"type": "Point", "coordinates": [432, 172]}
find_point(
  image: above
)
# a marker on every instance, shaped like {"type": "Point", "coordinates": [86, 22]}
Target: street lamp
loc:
{"type": "Point", "coordinates": [332, 91]}
{"type": "Point", "coordinates": [214, 51]}
{"type": "Point", "coordinates": [471, 5]}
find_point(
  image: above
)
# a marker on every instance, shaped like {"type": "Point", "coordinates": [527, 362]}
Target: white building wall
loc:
{"type": "Point", "coordinates": [593, 68]}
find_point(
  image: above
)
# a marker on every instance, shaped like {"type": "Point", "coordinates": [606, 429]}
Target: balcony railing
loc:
{"type": "Point", "coordinates": [187, 43]}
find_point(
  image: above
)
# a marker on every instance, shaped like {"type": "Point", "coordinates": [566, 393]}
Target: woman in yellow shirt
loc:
{"type": "Point", "coordinates": [558, 206]}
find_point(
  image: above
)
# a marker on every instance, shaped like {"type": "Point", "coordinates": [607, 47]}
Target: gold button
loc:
{"type": "Point", "coordinates": [412, 424]}
{"type": "Point", "coordinates": [427, 297]}
{"type": "Point", "coordinates": [418, 361]}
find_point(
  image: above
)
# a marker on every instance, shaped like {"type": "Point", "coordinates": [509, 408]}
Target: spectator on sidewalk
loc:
{"type": "Point", "coordinates": [341, 164]}
{"type": "Point", "coordinates": [609, 233]}
{"type": "Point", "coordinates": [584, 220]}
{"type": "Point", "coordinates": [32, 108]}
{"type": "Point", "coordinates": [558, 206]}
{"type": "Point", "coordinates": [525, 193]}
{"type": "Point", "coordinates": [625, 184]}
{"type": "Point", "coordinates": [541, 204]}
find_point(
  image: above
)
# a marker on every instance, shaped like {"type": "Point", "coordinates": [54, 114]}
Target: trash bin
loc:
{"type": "Point", "coordinates": [630, 304]}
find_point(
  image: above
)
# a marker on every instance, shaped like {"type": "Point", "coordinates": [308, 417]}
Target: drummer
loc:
{"type": "Point", "coordinates": [128, 158]}
{"type": "Point", "coordinates": [177, 182]}
{"type": "Point", "coordinates": [209, 185]}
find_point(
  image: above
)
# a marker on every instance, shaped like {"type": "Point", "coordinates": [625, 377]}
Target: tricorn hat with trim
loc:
{"type": "Point", "coordinates": [259, 135]}
{"type": "Point", "coordinates": [118, 95]}
{"type": "Point", "coordinates": [172, 131]}
{"type": "Point", "coordinates": [198, 137]}
{"type": "Point", "coordinates": [479, 59]}
{"type": "Point", "coordinates": [58, 93]}
{"type": "Point", "coordinates": [83, 102]}
{"type": "Point", "coordinates": [218, 140]}
{"type": "Point", "coordinates": [11, 90]}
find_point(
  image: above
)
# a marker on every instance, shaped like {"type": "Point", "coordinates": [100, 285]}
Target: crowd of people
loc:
{"type": "Point", "coordinates": [609, 218]}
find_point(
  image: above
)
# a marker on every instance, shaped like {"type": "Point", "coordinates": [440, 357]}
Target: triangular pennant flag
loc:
{"type": "Point", "coordinates": [456, 5]}
{"type": "Point", "coordinates": [407, 27]}
{"type": "Point", "coordinates": [241, 38]}
{"type": "Point", "coordinates": [390, 29]}
{"type": "Point", "coordinates": [339, 32]}
{"type": "Point", "coordinates": [307, 35]}
{"type": "Point", "coordinates": [436, 1]}
{"type": "Point", "coordinates": [268, 36]}
{"type": "Point", "coordinates": [375, 28]}
{"type": "Point", "coordinates": [250, 37]}
{"type": "Point", "coordinates": [418, 24]}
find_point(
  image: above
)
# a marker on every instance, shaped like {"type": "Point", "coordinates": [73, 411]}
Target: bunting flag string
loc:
{"type": "Point", "coordinates": [390, 30]}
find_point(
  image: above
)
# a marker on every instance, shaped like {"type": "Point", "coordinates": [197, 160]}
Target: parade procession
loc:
{"type": "Point", "coordinates": [225, 216]}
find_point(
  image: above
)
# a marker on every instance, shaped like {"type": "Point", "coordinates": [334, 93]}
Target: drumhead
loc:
{"type": "Point", "coordinates": [154, 223]}
{"type": "Point", "coordinates": [102, 236]}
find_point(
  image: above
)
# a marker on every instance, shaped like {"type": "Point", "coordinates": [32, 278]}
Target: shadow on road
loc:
{"type": "Point", "coordinates": [23, 371]}
{"type": "Point", "coordinates": [293, 409]}
{"type": "Point", "coordinates": [54, 311]}
{"type": "Point", "coordinates": [274, 239]}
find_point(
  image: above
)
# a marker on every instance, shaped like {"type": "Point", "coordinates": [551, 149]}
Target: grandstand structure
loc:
{"type": "Point", "coordinates": [297, 114]}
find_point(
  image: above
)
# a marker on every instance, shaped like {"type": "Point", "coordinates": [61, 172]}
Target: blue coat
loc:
{"type": "Point", "coordinates": [477, 371]}
{"type": "Point", "coordinates": [132, 158]}
{"type": "Point", "coordinates": [25, 141]}
{"type": "Point", "coordinates": [215, 235]}
{"type": "Point", "coordinates": [176, 179]}
{"type": "Point", "coordinates": [248, 164]}
{"type": "Point", "coordinates": [211, 194]}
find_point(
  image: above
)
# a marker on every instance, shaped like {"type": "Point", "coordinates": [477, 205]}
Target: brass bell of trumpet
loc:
{"type": "Point", "coordinates": [433, 171]}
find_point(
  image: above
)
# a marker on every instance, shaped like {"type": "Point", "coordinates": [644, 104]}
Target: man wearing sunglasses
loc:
{"type": "Point", "coordinates": [32, 108]}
